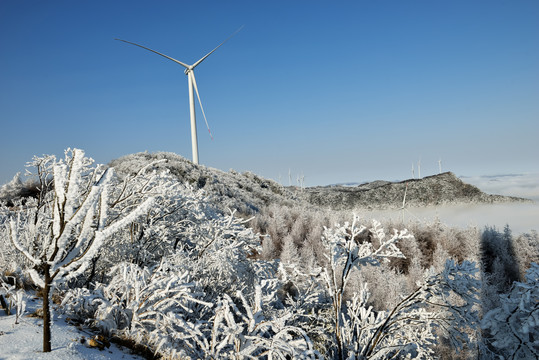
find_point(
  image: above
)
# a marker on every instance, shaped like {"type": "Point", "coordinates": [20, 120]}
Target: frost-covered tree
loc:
{"type": "Point", "coordinates": [346, 253]}
{"type": "Point", "coordinates": [512, 330]}
{"type": "Point", "coordinates": [443, 302]}
{"type": "Point", "coordinates": [63, 229]}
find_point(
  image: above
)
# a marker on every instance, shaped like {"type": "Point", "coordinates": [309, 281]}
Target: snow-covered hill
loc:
{"type": "Point", "coordinates": [248, 192]}
{"type": "Point", "coordinates": [440, 189]}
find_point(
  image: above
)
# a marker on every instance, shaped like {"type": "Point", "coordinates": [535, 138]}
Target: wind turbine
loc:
{"type": "Point", "coordinates": [440, 165]}
{"type": "Point", "coordinates": [403, 207]}
{"type": "Point", "coordinates": [404, 202]}
{"type": "Point", "coordinates": [189, 71]}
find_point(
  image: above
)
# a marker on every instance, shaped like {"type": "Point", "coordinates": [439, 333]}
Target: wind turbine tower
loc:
{"type": "Point", "coordinates": [189, 71]}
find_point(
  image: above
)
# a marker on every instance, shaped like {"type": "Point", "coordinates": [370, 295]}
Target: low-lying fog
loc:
{"type": "Point", "coordinates": [521, 217]}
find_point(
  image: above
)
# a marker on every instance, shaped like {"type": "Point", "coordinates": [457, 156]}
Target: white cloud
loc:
{"type": "Point", "coordinates": [521, 185]}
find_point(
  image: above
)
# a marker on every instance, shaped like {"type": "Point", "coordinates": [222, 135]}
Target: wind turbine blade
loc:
{"type": "Point", "coordinates": [211, 52]}
{"type": "Point", "coordinates": [158, 53]}
{"type": "Point", "coordinates": [192, 75]}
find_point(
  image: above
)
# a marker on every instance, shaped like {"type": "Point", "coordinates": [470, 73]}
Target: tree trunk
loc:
{"type": "Point", "coordinates": [47, 311]}
{"type": "Point", "coordinates": [4, 305]}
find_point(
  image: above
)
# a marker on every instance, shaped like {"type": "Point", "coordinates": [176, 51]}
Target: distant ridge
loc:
{"type": "Point", "coordinates": [439, 189]}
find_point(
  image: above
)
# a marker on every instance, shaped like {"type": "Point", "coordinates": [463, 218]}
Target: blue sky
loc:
{"type": "Point", "coordinates": [339, 91]}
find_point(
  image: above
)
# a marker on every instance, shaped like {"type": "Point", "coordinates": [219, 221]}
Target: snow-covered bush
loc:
{"type": "Point", "coordinates": [11, 297]}
{"type": "Point", "coordinates": [163, 308]}
{"type": "Point", "coordinates": [241, 331]}
{"type": "Point", "coordinates": [412, 327]}
{"type": "Point", "coordinates": [215, 251]}
{"type": "Point", "coordinates": [346, 254]}
{"type": "Point", "coordinates": [16, 190]}
{"type": "Point", "coordinates": [443, 302]}
{"type": "Point", "coordinates": [512, 330]}
{"type": "Point", "coordinates": [163, 227]}
{"type": "Point", "coordinates": [526, 247]}
{"type": "Point", "coordinates": [158, 306]}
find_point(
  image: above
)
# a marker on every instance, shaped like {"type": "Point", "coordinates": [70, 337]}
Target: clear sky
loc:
{"type": "Point", "coordinates": [339, 91]}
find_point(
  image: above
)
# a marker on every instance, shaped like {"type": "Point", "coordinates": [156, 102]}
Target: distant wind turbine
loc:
{"type": "Point", "coordinates": [189, 71]}
{"type": "Point", "coordinates": [289, 177]}
{"type": "Point", "coordinates": [403, 207]}
{"type": "Point", "coordinates": [419, 169]}
{"type": "Point", "coordinates": [440, 165]}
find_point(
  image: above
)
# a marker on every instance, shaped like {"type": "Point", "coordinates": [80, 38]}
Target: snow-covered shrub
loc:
{"type": "Point", "coordinates": [185, 227]}
{"type": "Point", "coordinates": [302, 225]}
{"type": "Point", "coordinates": [382, 294]}
{"type": "Point", "coordinates": [346, 254]}
{"type": "Point", "coordinates": [409, 329]}
{"type": "Point", "coordinates": [241, 331]}
{"type": "Point", "coordinates": [512, 330]}
{"type": "Point", "coordinates": [443, 304]}
{"type": "Point", "coordinates": [215, 251]}
{"type": "Point", "coordinates": [159, 306]}
{"type": "Point", "coordinates": [153, 306]}
{"type": "Point", "coordinates": [16, 190]}
{"type": "Point", "coordinates": [11, 297]}
{"type": "Point", "coordinates": [163, 227]}
{"type": "Point", "coordinates": [11, 190]}
{"type": "Point", "coordinates": [163, 308]}
{"type": "Point", "coordinates": [526, 247]}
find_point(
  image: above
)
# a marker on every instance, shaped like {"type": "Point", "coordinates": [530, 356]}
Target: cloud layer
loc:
{"type": "Point", "coordinates": [521, 185]}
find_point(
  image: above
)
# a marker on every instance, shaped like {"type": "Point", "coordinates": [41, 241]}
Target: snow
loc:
{"type": "Point", "coordinates": [25, 340]}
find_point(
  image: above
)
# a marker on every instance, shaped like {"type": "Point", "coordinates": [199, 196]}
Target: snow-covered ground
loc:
{"type": "Point", "coordinates": [25, 340]}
